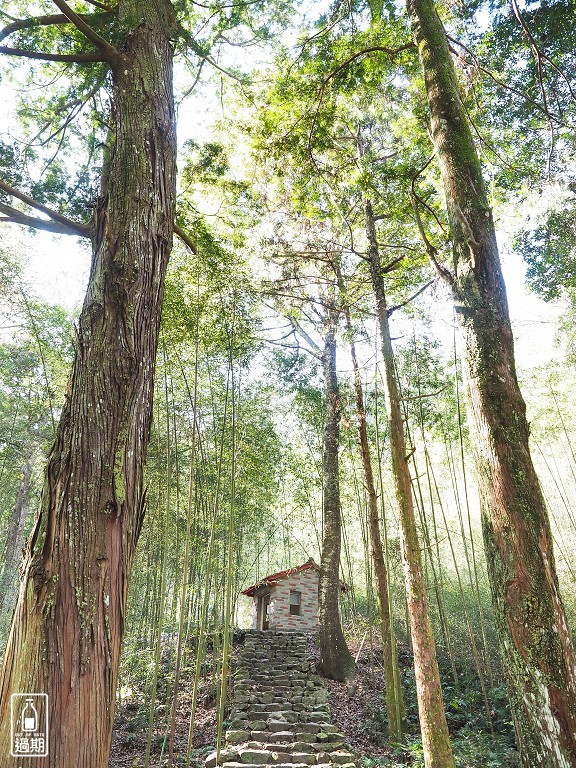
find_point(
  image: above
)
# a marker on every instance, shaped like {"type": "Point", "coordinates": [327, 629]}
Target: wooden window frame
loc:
{"type": "Point", "coordinates": [298, 605]}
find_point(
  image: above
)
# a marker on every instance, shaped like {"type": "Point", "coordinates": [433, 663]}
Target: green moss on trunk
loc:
{"type": "Point", "coordinates": [535, 643]}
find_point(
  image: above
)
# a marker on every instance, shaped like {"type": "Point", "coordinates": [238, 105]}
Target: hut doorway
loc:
{"type": "Point", "coordinates": [263, 607]}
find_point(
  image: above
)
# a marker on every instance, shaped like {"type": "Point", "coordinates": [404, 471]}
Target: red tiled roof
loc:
{"type": "Point", "coordinates": [269, 580]}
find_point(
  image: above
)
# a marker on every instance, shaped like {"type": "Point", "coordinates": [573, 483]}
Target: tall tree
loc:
{"type": "Point", "coordinates": [534, 638]}
{"type": "Point", "coordinates": [433, 725]}
{"type": "Point", "coordinates": [335, 658]}
{"type": "Point", "coordinates": [307, 294]}
{"type": "Point", "coordinates": [68, 624]}
{"type": "Point", "coordinates": [395, 709]}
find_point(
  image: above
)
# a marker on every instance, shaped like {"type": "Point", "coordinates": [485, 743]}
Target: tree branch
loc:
{"type": "Point", "coordinates": [79, 102]}
{"type": "Point", "coordinates": [408, 301]}
{"type": "Point", "coordinates": [442, 271]}
{"type": "Point", "coordinates": [186, 239]}
{"type": "Point", "coordinates": [78, 58]}
{"type": "Point", "coordinates": [339, 68]}
{"type": "Point", "coordinates": [392, 265]}
{"type": "Point", "coordinates": [103, 6]}
{"type": "Point", "coordinates": [35, 21]}
{"type": "Point", "coordinates": [501, 83]}
{"type": "Point", "coordinates": [408, 398]}
{"type": "Point", "coordinates": [315, 349]}
{"type": "Point", "coordinates": [109, 51]}
{"type": "Point", "coordinates": [78, 227]}
{"type": "Point", "coordinates": [373, 49]}
{"type": "Point", "coordinates": [14, 216]}
{"type": "Point", "coordinates": [39, 21]}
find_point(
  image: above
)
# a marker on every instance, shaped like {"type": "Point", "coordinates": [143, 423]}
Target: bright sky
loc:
{"type": "Point", "coordinates": [58, 266]}
{"type": "Point", "coordinates": [534, 321]}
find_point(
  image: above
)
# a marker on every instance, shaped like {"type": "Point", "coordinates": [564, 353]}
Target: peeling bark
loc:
{"type": "Point", "coordinates": [535, 643]}
{"type": "Point", "coordinates": [67, 629]}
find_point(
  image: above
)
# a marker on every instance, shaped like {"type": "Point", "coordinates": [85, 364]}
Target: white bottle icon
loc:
{"type": "Point", "coordinates": [29, 717]}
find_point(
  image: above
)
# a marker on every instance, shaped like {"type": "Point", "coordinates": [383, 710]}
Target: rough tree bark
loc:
{"type": "Point", "coordinates": [435, 737]}
{"type": "Point", "coordinates": [336, 660]}
{"type": "Point", "coordinates": [534, 638]}
{"type": "Point", "coordinates": [67, 628]}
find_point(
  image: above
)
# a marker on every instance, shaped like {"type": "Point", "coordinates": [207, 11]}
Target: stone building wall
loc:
{"type": "Point", "coordinates": [305, 582]}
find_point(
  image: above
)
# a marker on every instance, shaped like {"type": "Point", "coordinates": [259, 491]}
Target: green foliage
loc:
{"type": "Point", "coordinates": [471, 750]}
{"type": "Point", "coordinates": [473, 744]}
{"type": "Point", "coordinates": [9, 166]}
{"type": "Point", "coordinates": [34, 367]}
{"type": "Point", "coordinates": [465, 711]}
{"type": "Point", "coordinates": [549, 250]}
{"type": "Point", "coordinates": [334, 121]}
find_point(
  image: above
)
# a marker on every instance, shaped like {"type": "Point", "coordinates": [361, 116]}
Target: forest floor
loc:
{"type": "Point", "coordinates": [358, 711]}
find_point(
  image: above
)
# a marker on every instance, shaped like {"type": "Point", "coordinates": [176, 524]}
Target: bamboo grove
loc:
{"type": "Point", "coordinates": [295, 343]}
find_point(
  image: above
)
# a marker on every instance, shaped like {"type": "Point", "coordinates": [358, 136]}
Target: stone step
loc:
{"type": "Point", "coordinates": [317, 717]}
{"type": "Point", "coordinates": [272, 676]}
{"type": "Point", "coordinates": [278, 737]}
{"type": "Point", "coordinates": [319, 738]}
{"type": "Point", "coordinates": [291, 746]}
{"type": "Point", "coordinates": [257, 725]}
{"type": "Point", "coordinates": [265, 666]}
{"type": "Point", "coordinates": [258, 756]}
{"type": "Point", "coordinates": [245, 724]}
{"type": "Point", "coordinates": [289, 650]}
{"type": "Point", "coordinates": [269, 683]}
{"type": "Point", "coordinates": [281, 725]}
{"type": "Point", "coordinates": [268, 708]}
{"type": "Point", "coordinates": [290, 712]}
{"type": "Point", "coordinates": [282, 655]}
{"type": "Point", "coordinates": [303, 758]}
{"type": "Point", "coordinates": [309, 727]}
{"type": "Point", "coordinates": [280, 716]}
{"type": "Point", "coordinates": [281, 659]}
{"type": "Point", "coordinates": [257, 698]}
{"type": "Point", "coordinates": [341, 757]}
{"type": "Point", "coordinates": [226, 755]}
{"type": "Point", "coordinates": [254, 765]}
{"type": "Point", "coordinates": [279, 754]}
{"type": "Point", "coordinates": [265, 697]}
{"type": "Point", "coordinates": [270, 689]}
{"type": "Point", "coordinates": [237, 736]}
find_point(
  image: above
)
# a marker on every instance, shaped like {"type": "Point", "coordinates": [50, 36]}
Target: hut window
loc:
{"type": "Point", "coordinates": [295, 600]}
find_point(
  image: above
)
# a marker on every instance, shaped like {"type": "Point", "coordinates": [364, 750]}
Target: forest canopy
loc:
{"type": "Point", "coordinates": [288, 293]}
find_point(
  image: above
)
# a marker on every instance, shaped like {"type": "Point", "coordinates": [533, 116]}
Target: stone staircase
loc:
{"type": "Point", "coordinates": [280, 713]}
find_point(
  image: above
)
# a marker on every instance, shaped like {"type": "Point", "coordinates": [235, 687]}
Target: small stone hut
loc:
{"type": "Point", "coordinates": [288, 600]}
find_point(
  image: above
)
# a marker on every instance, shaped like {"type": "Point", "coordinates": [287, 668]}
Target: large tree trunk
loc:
{"type": "Point", "coordinates": [435, 737]}
{"type": "Point", "coordinates": [67, 629]}
{"type": "Point", "coordinates": [336, 661]}
{"type": "Point", "coordinates": [394, 694]}
{"type": "Point", "coordinates": [14, 540]}
{"type": "Point", "coordinates": [535, 643]}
